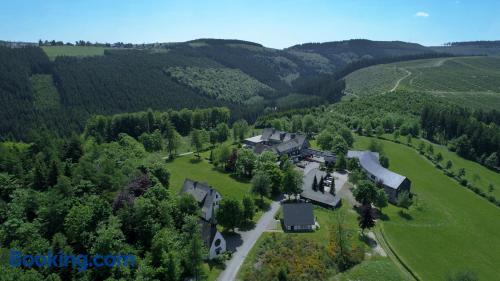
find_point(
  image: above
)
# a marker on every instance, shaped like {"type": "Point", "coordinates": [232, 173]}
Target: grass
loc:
{"type": "Point", "coordinates": [375, 269]}
{"type": "Point", "coordinates": [448, 228]}
{"type": "Point", "coordinates": [73, 51]}
{"type": "Point", "coordinates": [45, 93]}
{"type": "Point", "coordinates": [199, 169]}
{"type": "Point", "coordinates": [469, 81]}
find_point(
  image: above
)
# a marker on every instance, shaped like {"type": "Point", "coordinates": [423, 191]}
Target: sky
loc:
{"type": "Point", "coordinates": [273, 23]}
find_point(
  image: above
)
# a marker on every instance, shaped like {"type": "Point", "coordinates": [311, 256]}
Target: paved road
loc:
{"type": "Point", "coordinates": [249, 238]}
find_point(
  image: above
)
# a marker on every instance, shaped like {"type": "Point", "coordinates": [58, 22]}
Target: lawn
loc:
{"type": "Point", "coordinates": [72, 51]}
{"type": "Point", "coordinates": [199, 169]}
{"type": "Point", "coordinates": [375, 269]}
{"type": "Point", "coordinates": [449, 228]}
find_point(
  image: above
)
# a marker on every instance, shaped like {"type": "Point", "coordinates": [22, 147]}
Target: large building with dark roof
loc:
{"type": "Point", "coordinates": [279, 142]}
{"type": "Point", "coordinates": [208, 200]}
{"type": "Point", "coordinates": [392, 182]}
{"type": "Point", "coordinates": [325, 199]}
{"type": "Point", "coordinates": [298, 217]}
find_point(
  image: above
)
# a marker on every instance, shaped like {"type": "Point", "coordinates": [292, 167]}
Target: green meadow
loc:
{"type": "Point", "coordinates": [448, 228]}
{"type": "Point", "coordinates": [73, 51]}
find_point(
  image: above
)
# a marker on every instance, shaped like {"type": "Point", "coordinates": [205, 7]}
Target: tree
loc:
{"type": "Point", "coordinates": [240, 128]}
{"type": "Point", "coordinates": [404, 199]}
{"type": "Point", "coordinates": [174, 140]}
{"type": "Point", "coordinates": [379, 131]}
{"type": "Point", "coordinates": [261, 184]}
{"type": "Point", "coordinates": [321, 185]}
{"type": "Point", "coordinates": [309, 125]}
{"type": "Point", "coordinates": [439, 157]}
{"type": "Point", "coordinates": [245, 163]}
{"type": "Point", "coordinates": [365, 193]}
{"type": "Point", "coordinates": [152, 141]}
{"type": "Point", "coordinates": [324, 140]}
{"type": "Point", "coordinates": [195, 255]}
{"type": "Point", "coordinates": [248, 208]}
{"type": "Point", "coordinates": [198, 139]}
{"type": "Point", "coordinates": [492, 160]}
{"type": "Point", "coordinates": [292, 181]}
{"type": "Point", "coordinates": [339, 145]}
{"type": "Point", "coordinates": [449, 164]}
{"type": "Point", "coordinates": [421, 147]}
{"type": "Point", "coordinates": [396, 135]}
{"type": "Point", "coordinates": [366, 218]}
{"type": "Point", "coordinates": [381, 199]}
{"type": "Point", "coordinates": [39, 175]}
{"type": "Point", "coordinates": [384, 161]}
{"type": "Point", "coordinates": [332, 187]}
{"type": "Point", "coordinates": [222, 132]}
{"type": "Point", "coordinates": [53, 174]}
{"type": "Point", "coordinates": [229, 214]}
{"type": "Point", "coordinates": [222, 155]}
{"type": "Point", "coordinates": [461, 172]}
{"type": "Point", "coordinates": [296, 123]}
{"type": "Point", "coordinates": [409, 139]}
{"type": "Point", "coordinates": [315, 184]}
{"type": "Point", "coordinates": [341, 163]}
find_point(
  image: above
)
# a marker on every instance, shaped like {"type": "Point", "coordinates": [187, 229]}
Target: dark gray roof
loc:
{"type": "Point", "coordinates": [296, 142]}
{"type": "Point", "coordinates": [317, 196]}
{"type": "Point", "coordinates": [370, 162]}
{"type": "Point", "coordinates": [298, 214]}
{"type": "Point", "coordinates": [203, 194]}
{"type": "Point", "coordinates": [208, 231]}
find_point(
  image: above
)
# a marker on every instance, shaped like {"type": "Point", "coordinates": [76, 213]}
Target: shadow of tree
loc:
{"type": "Point", "coordinates": [247, 225]}
{"type": "Point", "coordinates": [233, 240]}
{"type": "Point", "coordinates": [405, 215]}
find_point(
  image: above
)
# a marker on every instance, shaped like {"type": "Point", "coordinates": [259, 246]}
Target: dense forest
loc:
{"type": "Point", "coordinates": [172, 76]}
{"type": "Point", "coordinates": [472, 135]}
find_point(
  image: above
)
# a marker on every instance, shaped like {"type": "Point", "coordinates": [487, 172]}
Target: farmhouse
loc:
{"type": "Point", "coordinates": [281, 143]}
{"type": "Point", "coordinates": [393, 183]}
{"type": "Point", "coordinates": [325, 199]}
{"type": "Point", "coordinates": [298, 217]}
{"type": "Point", "coordinates": [293, 145]}
{"type": "Point", "coordinates": [208, 200]}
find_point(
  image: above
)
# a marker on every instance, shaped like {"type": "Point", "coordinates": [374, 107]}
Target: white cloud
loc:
{"type": "Point", "coordinates": [422, 14]}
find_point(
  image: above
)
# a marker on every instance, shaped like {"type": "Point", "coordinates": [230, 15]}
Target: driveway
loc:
{"type": "Point", "coordinates": [248, 239]}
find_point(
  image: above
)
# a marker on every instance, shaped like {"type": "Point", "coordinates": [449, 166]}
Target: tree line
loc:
{"type": "Point", "coordinates": [470, 137]}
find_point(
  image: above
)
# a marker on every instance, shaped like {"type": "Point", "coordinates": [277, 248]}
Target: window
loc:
{"type": "Point", "coordinates": [217, 242]}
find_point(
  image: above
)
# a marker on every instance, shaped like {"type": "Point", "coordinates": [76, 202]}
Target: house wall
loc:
{"type": "Point", "coordinates": [300, 228]}
{"type": "Point", "coordinates": [214, 250]}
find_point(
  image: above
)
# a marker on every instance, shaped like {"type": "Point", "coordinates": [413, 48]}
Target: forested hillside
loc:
{"type": "Point", "coordinates": [248, 78]}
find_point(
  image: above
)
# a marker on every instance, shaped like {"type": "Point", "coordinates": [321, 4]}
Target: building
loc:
{"type": "Point", "coordinates": [208, 200]}
{"type": "Point", "coordinates": [279, 142]}
{"type": "Point", "coordinates": [324, 199]}
{"type": "Point", "coordinates": [298, 217]}
{"type": "Point", "coordinates": [392, 183]}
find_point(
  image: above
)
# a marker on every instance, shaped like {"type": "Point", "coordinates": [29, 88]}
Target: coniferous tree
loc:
{"type": "Point", "coordinates": [315, 184]}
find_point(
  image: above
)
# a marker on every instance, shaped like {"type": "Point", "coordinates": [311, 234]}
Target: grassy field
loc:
{"type": "Point", "coordinates": [190, 167]}
{"type": "Point", "coordinates": [469, 81]}
{"type": "Point", "coordinates": [72, 51]}
{"type": "Point", "coordinates": [449, 228]}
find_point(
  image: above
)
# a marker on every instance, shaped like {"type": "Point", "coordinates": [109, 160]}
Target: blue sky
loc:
{"type": "Point", "coordinates": [273, 23]}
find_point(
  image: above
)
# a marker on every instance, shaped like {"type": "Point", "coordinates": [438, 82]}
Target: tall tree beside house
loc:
{"type": "Point", "coordinates": [321, 184]}
{"type": "Point", "coordinates": [245, 164]}
{"type": "Point", "coordinates": [229, 214]}
{"type": "Point", "coordinates": [292, 181]}
{"type": "Point", "coordinates": [315, 184]}
{"type": "Point", "coordinates": [381, 199]}
{"type": "Point", "coordinates": [341, 163]}
{"type": "Point", "coordinates": [332, 187]}
{"type": "Point", "coordinates": [261, 184]}
{"type": "Point", "coordinates": [404, 200]}
{"type": "Point", "coordinates": [173, 140]}
{"type": "Point", "coordinates": [240, 129]}
{"type": "Point", "coordinates": [365, 193]}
